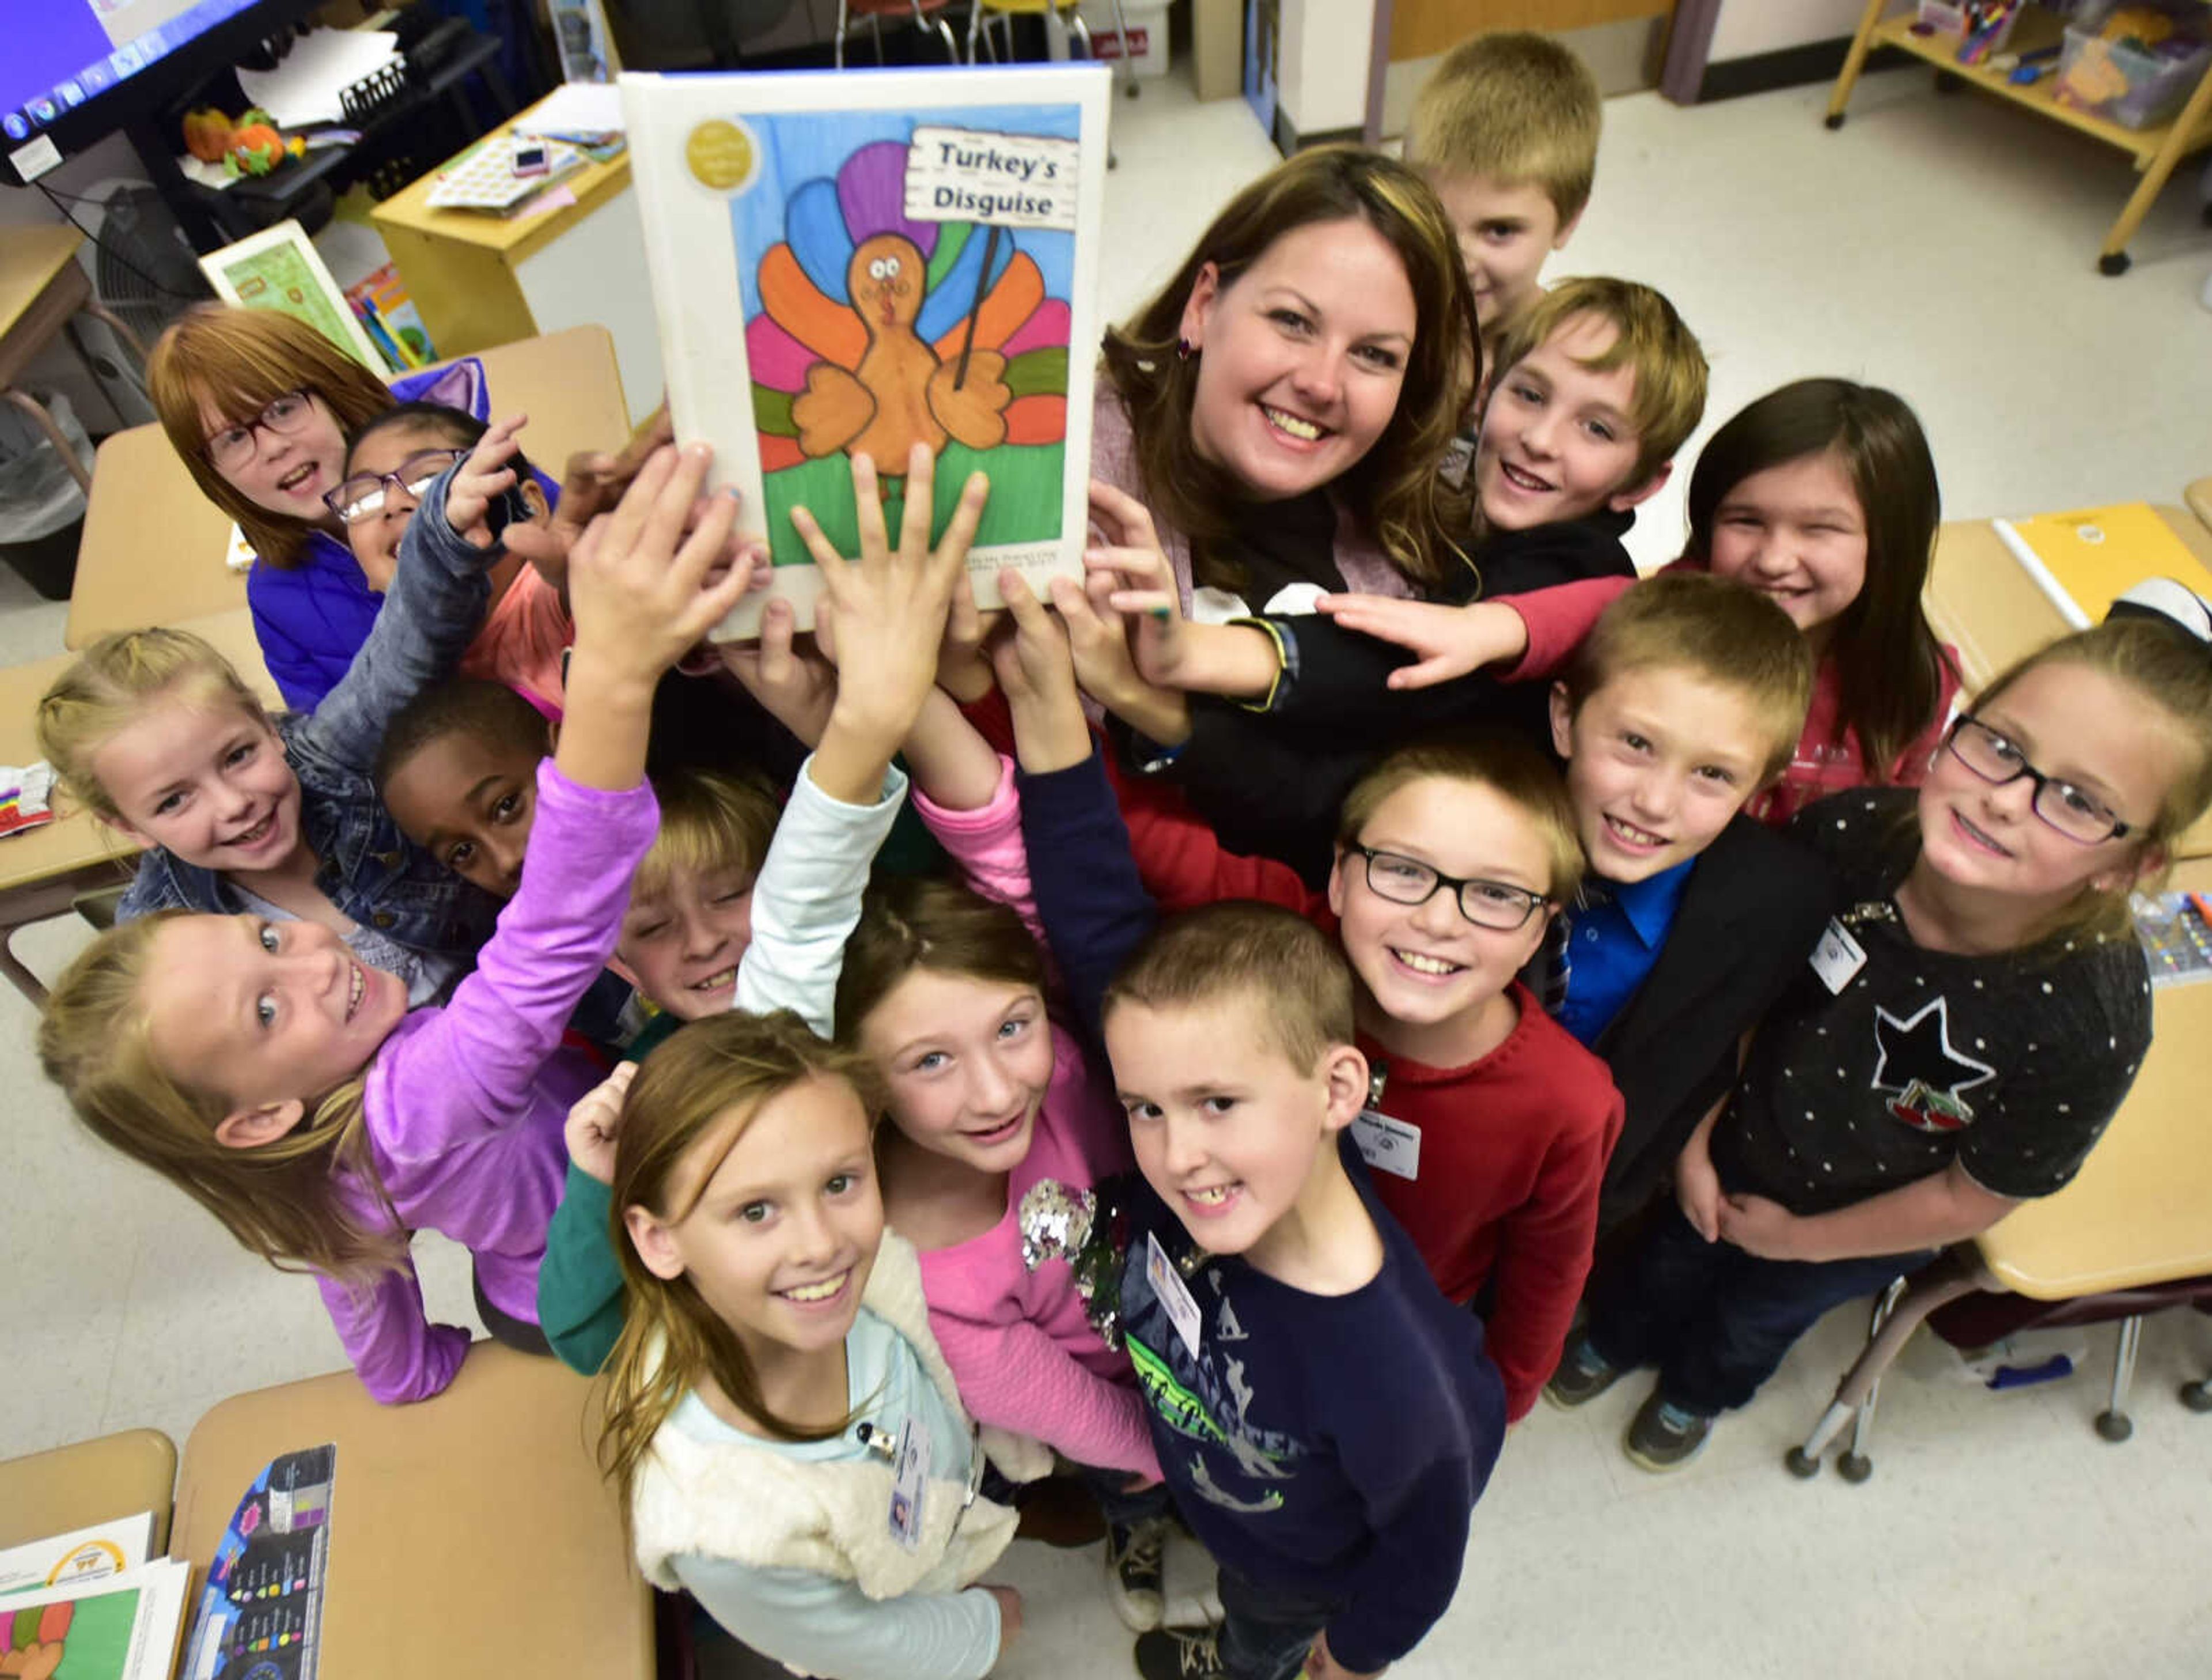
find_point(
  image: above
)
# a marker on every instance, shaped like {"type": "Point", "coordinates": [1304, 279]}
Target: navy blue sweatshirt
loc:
{"type": "Point", "coordinates": [1328, 1445]}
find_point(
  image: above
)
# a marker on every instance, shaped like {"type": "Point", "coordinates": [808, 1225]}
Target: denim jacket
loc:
{"type": "Point", "coordinates": [366, 866]}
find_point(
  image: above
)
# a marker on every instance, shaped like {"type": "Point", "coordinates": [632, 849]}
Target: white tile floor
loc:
{"type": "Point", "coordinates": [1943, 247]}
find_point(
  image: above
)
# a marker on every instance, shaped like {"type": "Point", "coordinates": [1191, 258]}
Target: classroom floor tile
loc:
{"type": "Point", "coordinates": [1944, 247]}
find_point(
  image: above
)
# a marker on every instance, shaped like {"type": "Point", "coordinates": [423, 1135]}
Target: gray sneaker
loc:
{"type": "Point", "coordinates": [1664, 1437]}
{"type": "Point", "coordinates": [1582, 1375]}
{"type": "Point", "coordinates": [1135, 1556]}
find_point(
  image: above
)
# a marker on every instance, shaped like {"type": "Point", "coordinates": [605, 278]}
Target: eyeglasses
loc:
{"type": "Point", "coordinates": [2081, 816]}
{"type": "Point", "coordinates": [361, 496]}
{"type": "Point", "coordinates": [1408, 880]}
{"type": "Point", "coordinates": [233, 446]}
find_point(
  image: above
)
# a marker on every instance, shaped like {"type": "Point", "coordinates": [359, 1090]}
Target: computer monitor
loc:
{"type": "Point", "coordinates": [76, 71]}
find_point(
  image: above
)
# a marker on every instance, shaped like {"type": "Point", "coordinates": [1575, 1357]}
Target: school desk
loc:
{"type": "Point", "coordinates": [42, 289]}
{"type": "Point", "coordinates": [483, 279]}
{"type": "Point", "coordinates": [470, 1534]}
{"type": "Point", "coordinates": [93, 1481]}
{"type": "Point", "coordinates": [2198, 495]}
{"type": "Point", "coordinates": [43, 871]}
{"type": "Point", "coordinates": [153, 548]}
{"type": "Point", "coordinates": [1981, 602]}
{"type": "Point", "coordinates": [2137, 1214]}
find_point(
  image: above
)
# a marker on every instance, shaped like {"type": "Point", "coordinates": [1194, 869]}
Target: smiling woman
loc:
{"type": "Point", "coordinates": [1281, 406]}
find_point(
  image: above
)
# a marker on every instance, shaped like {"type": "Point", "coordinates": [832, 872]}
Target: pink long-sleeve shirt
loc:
{"type": "Point", "coordinates": [1020, 1347]}
{"type": "Point", "coordinates": [465, 1104]}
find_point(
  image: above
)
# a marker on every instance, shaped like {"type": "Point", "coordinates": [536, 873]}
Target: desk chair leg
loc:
{"type": "Point", "coordinates": [2113, 1422]}
{"type": "Point", "coordinates": [1954, 1276]}
{"type": "Point", "coordinates": [922, 20]}
{"type": "Point", "coordinates": [1125, 69]}
{"type": "Point", "coordinates": [2198, 1396]}
{"type": "Point", "coordinates": [115, 324]}
{"type": "Point", "coordinates": [36, 409]}
{"type": "Point", "coordinates": [1854, 1465]}
{"type": "Point", "coordinates": [17, 975]}
{"type": "Point", "coordinates": [975, 27]}
{"type": "Point", "coordinates": [844, 22]}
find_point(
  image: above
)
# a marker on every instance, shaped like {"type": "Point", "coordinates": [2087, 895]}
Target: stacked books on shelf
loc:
{"type": "Point", "coordinates": [88, 1603]}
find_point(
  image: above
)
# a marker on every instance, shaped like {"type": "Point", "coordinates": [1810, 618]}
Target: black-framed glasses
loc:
{"type": "Point", "coordinates": [361, 496]}
{"type": "Point", "coordinates": [1408, 880]}
{"type": "Point", "coordinates": [1995, 757]}
{"type": "Point", "coordinates": [233, 446]}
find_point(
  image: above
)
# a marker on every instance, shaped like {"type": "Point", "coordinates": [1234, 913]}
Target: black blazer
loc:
{"type": "Point", "coordinates": [1751, 913]}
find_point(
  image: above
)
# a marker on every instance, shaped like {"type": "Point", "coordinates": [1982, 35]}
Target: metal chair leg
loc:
{"type": "Point", "coordinates": [1854, 1465]}
{"type": "Point", "coordinates": [1126, 67]}
{"type": "Point", "coordinates": [844, 22]}
{"type": "Point", "coordinates": [922, 20]}
{"type": "Point", "coordinates": [2113, 1422]}
{"type": "Point", "coordinates": [1082, 34]}
{"type": "Point", "coordinates": [975, 27]}
{"type": "Point", "coordinates": [875, 34]}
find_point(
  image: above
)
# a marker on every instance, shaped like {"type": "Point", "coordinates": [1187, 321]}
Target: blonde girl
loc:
{"type": "Point", "coordinates": [290, 1089]}
{"type": "Point", "coordinates": [775, 1366]}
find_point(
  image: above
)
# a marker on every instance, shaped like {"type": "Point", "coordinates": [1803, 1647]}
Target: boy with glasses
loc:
{"type": "Point", "coordinates": [1485, 1128]}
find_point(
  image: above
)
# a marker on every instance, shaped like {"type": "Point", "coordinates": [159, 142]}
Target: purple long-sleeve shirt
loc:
{"type": "Point", "coordinates": [465, 1104]}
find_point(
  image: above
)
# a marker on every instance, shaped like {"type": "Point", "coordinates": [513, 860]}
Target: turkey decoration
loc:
{"type": "Point", "coordinates": [876, 331]}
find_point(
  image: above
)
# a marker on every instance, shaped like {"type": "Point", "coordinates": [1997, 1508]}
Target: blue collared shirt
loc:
{"type": "Point", "coordinates": [1612, 945]}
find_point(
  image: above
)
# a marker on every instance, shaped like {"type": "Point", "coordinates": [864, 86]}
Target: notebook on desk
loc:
{"type": "Point", "coordinates": [2086, 560]}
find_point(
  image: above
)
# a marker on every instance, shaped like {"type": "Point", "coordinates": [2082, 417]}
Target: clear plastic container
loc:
{"type": "Point", "coordinates": [2122, 81]}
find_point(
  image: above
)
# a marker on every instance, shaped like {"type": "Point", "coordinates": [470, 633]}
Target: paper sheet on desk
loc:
{"type": "Point", "coordinates": [305, 86]}
{"type": "Point", "coordinates": [576, 107]}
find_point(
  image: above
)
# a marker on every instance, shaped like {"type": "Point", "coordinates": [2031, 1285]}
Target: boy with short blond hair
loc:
{"type": "Point", "coordinates": [1505, 130]}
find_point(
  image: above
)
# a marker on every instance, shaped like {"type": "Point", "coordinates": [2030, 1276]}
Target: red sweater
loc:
{"type": "Point", "coordinates": [1826, 760]}
{"type": "Point", "coordinates": [1513, 1146]}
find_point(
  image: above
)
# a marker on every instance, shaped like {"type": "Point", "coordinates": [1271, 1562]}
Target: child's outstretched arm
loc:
{"type": "Point", "coordinates": [399, 1354]}
{"type": "Point", "coordinates": [434, 611]}
{"type": "Point", "coordinates": [884, 617]}
{"type": "Point", "coordinates": [645, 590]}
{"type": "Point", "coordinates": [579, 1284]}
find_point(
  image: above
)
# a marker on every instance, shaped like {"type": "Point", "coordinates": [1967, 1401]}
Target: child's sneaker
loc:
{"type": "Point", "coordinates": [1582, 1375]}
{"type": "Point", "coordinates": [1664, 1437]}
{"type": "Point", "coordinates": [1181, 1654]}
{"type": "Point", "coordinates": [1134, 1572]}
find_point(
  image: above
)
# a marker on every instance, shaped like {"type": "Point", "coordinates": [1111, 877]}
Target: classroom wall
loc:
{"type": "Point", "coordinates": [1748, 26]}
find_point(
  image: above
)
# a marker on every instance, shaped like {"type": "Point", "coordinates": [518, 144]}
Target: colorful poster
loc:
{"type": "Point", "coordinates": [901, 265]}
{"type": "Point", "coordinates": [261, 1612]}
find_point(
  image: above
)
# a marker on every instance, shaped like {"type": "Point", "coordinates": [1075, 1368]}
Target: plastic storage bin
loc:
{"type": "Point", "coordinates": [2122, 76]}
{"type": "Point", "coordinates": [41, 507]}
{"type": "Point", "coordinates": [1946, 17]}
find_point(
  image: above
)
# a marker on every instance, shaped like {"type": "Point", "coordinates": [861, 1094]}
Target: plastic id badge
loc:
{"type": "Point", "coordinates": [1837, 957]}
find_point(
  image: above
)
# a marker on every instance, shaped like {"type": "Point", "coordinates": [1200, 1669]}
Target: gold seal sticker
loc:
{"type": "Point", "coordinates": [720, 154]}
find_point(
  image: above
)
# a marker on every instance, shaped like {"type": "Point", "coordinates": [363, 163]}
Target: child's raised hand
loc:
{"type": "Point", "coordinates": [1038, 672]}
{"type": "Point", "coordinates": [649, 580]}
{"type": "Point", "coordinates": [485, 476]}
{"type": "Point", "coordinates": [963, 668]}
{"type": "Point", "coordinates": [793, 683]}
{"type": "Point", "coordinates": [888, 609]}
{"type": "Point", "coordinates": [1099, 638]}
{"type": "Point", "coordinates": [593, 482]}
{"type": "Point", "coordinates": [1449, 640]}
{"type": "Point", "coordinates": [595, 1123]}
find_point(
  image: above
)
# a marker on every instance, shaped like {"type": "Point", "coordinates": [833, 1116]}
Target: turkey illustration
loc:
{"type": "Point", "coordinates": [876, 331]}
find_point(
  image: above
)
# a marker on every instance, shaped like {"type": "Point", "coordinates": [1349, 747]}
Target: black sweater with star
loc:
{"type": "Point", "coordinates": [2011, 1065]}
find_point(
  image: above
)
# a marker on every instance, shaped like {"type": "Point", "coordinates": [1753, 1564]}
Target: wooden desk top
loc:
{"type": "Point", "coordinates": [1981, 602]}
{"type": "Point", "coordinates": [29, 259]}
{"type": "Point", "coordinates": [510, 238]}
{"type": "Point", "coordinates": [75, 841]}
{"type": "Point", "coordinates": [471, 1534]}
{"type": "Point", "coordinates": [2140, 1211]}
{"type": "Point", "coordinates": [93, 1481]}
{"type": "Point", "coordinates": [153, 547]}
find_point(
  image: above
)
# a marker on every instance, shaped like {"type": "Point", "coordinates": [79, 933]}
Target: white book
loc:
{"type": "Point", "coordinates": [850, 262]}
{"type": "Point", "coordinates": [120, 1627]}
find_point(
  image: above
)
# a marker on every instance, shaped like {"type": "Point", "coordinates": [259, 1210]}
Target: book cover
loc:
{"type": "Point", "coordinates": [2086, 560]}
{"type": "Point", "coordinates": [121, 1626]}
{"type": "Point", "coordinates": [849, 263]}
